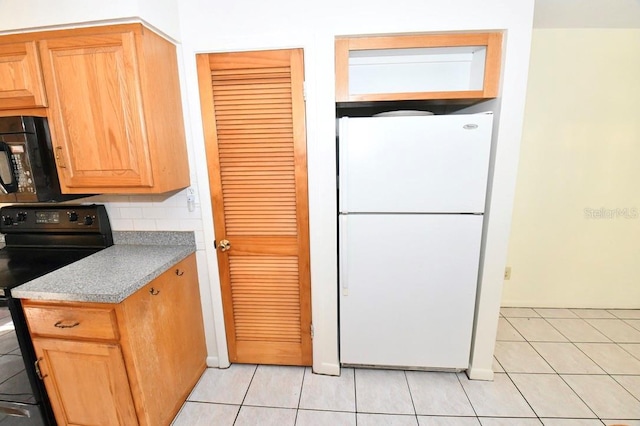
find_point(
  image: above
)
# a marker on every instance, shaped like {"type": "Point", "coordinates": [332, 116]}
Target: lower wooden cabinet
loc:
{"type": "Point", "coordinates": [87, 382]}
{"type": "Point", "coordinates": [122, 364]}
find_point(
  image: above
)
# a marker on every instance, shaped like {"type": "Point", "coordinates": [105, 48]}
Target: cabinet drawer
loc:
{"type": "Point", "coordinates": [72, 322]}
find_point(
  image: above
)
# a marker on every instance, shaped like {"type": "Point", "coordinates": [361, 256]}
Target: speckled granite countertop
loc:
{"type": "Point", "coordinates": [112, 274]}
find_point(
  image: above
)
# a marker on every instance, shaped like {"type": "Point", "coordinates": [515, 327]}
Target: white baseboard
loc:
{"type": "Point", "coordinates": [213, 361]}
{"type": "Point", "coordinates": [479, 374]}
{"type": "Point", "coordinates": [573, 304]}
{"type": "Point", "coordinates": [327, 369]}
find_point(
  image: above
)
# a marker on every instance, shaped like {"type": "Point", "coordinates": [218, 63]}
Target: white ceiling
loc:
{"type": "Point", "coordinates": [587, 14]}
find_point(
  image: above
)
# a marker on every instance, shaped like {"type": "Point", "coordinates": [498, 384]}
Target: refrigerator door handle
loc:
{"type": "Point", "coordinates": [343, 153]}
{"type": "Point", "coordinates": [343, 259]}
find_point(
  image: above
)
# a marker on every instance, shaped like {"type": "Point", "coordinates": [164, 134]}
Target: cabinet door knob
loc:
{"type": "Point", "coordinates": [153, 291]}
{"type": "Point", "coordinates": [61, 324]}
{"type": "Point", "coordinates": [179, 272]}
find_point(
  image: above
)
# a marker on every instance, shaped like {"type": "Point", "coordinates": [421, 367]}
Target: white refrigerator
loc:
{"type": "Point", "coordinates": [411, 203]}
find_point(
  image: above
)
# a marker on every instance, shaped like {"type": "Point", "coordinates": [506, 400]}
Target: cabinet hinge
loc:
{"type": "Point", "coordinates": [312, 331]}
{"type": "Point", "coordinates": [304, 90]}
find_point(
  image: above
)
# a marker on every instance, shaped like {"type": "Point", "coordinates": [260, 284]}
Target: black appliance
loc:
{"type": "Point", "coordinates": [27, 165]}
{"type": "Point", "coordinates": [38, 239]}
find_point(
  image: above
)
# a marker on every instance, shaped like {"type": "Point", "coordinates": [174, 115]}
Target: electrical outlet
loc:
{"type": "Point", "coordinates": [507, 273]}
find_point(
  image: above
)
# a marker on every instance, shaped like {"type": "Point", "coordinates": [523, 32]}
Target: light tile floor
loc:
{"type": "Point", "coordinates": [557, 367]}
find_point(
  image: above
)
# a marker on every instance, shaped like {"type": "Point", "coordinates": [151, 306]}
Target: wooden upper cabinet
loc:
{"type": "Point", "coordinates": [21, 83]}
{"type": "Point", "coordinates": [418, 67]}
{"type": "Point", "coordinates": [115, 110]}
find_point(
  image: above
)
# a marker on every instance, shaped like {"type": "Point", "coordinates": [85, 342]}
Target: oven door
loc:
{"type": "Point", "coordinates": [23, 398]}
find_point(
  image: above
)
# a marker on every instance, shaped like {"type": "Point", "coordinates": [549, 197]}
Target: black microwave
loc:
{"type": "Point", "coordinates": [27, 166]}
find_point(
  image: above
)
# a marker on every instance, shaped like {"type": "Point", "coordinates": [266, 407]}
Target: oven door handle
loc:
{"type": "Point", "coordinates": [7, 170]}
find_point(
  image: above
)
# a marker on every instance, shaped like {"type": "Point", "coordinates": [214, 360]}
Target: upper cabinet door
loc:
{"type": "Point", "coordinates": [96, 115]}
{"type": "Point", "coordinates": [20, 76]}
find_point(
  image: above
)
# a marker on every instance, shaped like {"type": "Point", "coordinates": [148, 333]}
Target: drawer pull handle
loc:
{"type": "Point", "coordinates": [60, 324]}
{"type": "Point", "coordinates": [37, 367]}
{"type": "Point", "coordinates": [179, 272]}
{"type": "Point", "coordinates": [153, 291]}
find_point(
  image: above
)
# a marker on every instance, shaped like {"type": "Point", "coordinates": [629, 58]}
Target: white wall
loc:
{"type": "Point", "coordinates": [20, 15]}
{"type": "Point", "coordinates": [214, 25]}
{"type": "Point", "coordinates": [580, 151]}
{"type": "Point", "coordinates": [210, 26]}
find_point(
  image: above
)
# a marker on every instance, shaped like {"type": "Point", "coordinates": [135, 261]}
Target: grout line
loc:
{"type": "Point", "coordinates": [413, 404]}
{"type": "Point", "coordinates": [556, 329]}
{"type": "Point", "coordinates": [504, 370]}
{"type": "Point", "coordinates": [522, 395]}
{"type": "Point", "coordinates": [355, 393]}
{"type": "Point", "coordinates": [598, 330]}
{"type": "Point", "coordinates": [524, 339]}
{"type": "Point", "coordinates": [627, 351]}
{"type": "Point", "coordinates": [245, 394]}
{"type": "Point", "coordinates": [467, 395]}
{"type": "Point", "coordinates": [562, 378]}
{"type": "Point", "coordinates": [624, 387]}
{"type": "Point", "coordinates": [543, 358]}
{"type": "Point", "coordinates": [304, 374]}
{"type": "Point", "coordinates": [556, 373]}
{"type": "Point", "coordinates": [626, 321]}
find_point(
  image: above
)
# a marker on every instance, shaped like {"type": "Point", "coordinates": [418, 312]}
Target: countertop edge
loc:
{"type": "Point", "coordinates": [76, 289]}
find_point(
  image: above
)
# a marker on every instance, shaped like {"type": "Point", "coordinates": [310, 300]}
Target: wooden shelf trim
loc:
{"type": "Point", "coordinates": [491, 40]}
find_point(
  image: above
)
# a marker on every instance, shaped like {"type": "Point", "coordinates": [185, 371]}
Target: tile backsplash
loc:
{"type": "Point", "coordinates": [166, 212]}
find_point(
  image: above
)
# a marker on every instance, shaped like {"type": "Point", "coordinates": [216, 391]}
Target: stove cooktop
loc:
{"type": "Point", "coordinates": [20, 265]}
{"type": "Point", "coordinates": [42, 238]}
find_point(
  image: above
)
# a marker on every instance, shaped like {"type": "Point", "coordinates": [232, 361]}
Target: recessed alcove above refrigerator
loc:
{"type": "Point", "coordinates": [441, 73]}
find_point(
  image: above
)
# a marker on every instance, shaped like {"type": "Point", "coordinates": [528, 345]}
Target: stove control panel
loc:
{"type": "Point", "coordinates": [44, 218]}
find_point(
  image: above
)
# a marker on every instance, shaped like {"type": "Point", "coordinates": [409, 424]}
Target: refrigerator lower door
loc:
{"type": "Point", "coordinates": [407, 289]}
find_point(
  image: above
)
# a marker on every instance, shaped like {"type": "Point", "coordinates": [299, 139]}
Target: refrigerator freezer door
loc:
{"type": "Point", "coordinates": [433, 164]}
{"type": "Point", "coordinates": [407, 291]}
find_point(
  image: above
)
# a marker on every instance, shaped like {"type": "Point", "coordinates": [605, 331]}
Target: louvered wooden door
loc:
{"type": "Point", "coordinates": [253, 117]}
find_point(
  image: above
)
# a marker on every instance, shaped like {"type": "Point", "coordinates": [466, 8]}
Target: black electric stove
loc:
{"type": "Point", "coordinates": [38, 239]}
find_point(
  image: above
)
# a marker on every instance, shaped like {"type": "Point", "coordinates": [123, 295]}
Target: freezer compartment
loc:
{"type": "Point", "coordinates": [407, 289]}
{"type": "Point", "coordinates": [414, 164]}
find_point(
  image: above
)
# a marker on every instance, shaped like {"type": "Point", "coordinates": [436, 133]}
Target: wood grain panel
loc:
{"type": "Point", "coordinates": [93, 84]}
{"type": "Point", "coordinates": [253, 116]}
{"type": "Point", "coordinates": [256, 158]}
{"type": "Point", "coordinates": [80, 323]}
{"type": "Point", "coordinates": [171, 319]}
{"type": "Point", "coordinates": [86, 381]}
{"type": "Point", "coordinates": [21, 84]}
{"type": "Point", "coordinates": [266, 298]}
